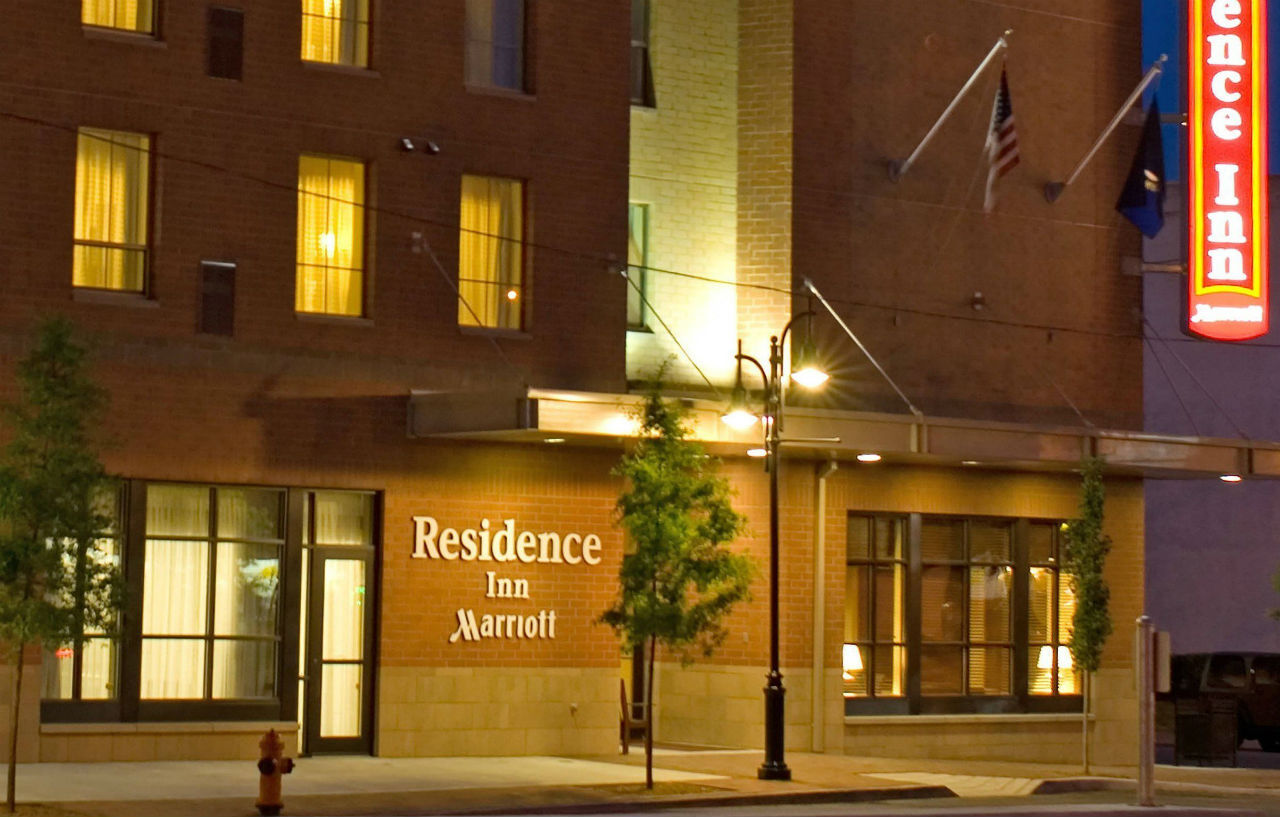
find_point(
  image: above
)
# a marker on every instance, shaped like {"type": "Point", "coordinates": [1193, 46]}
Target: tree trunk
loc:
{"type": "Point", "coordinates": [1084, 719]}
{"type": "Point", "coordinates": [649, 715]}
{"type": "Point", "coordinates": [15, 708]}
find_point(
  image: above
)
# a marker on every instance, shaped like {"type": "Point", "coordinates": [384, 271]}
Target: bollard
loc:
{"type": "Point", "coordinates": [1144, 665]}
{"type": "Point", "coordinates": [271, 766]}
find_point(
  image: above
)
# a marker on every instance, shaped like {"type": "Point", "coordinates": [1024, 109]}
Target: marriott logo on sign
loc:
{"type": "Point", "coordinates": [503, 544]}
{"type": "Point", "coordinates": [1227, 182]}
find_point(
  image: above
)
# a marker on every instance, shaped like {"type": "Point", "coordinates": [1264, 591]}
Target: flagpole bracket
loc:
{"type": "Point", "coordinates": [897, 168]}
{"type": "Point", "coordinates": [1053, 190]}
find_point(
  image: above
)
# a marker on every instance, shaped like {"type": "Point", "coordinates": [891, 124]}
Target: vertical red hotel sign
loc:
{"type": "Point", "coordinates": [1227, 183]}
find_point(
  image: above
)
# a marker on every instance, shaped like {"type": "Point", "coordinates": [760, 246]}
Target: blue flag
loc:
{"type": "Point", "coordinates": [1142, 200]}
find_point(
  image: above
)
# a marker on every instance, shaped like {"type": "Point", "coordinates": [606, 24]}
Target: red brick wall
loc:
{"type": "Point", "coordinates": [568, 139]}
{"type": "Point", "coordinates": [902, 261]}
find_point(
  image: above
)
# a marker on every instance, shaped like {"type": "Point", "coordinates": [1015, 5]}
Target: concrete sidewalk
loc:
{"type": "Point", "coordinates": [684, 779]}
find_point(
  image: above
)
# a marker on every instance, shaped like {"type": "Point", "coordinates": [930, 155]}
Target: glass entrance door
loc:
{"type": "Point", "coordinates": [336, 683]}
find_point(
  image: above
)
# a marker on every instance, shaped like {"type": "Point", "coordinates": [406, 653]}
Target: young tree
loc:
{"type": "Point", "coordinates": [1086, 553]}
{"type": "Point", "coordinates": [58, 577]}
{"type": "Point", "coordinates": [681, 580]}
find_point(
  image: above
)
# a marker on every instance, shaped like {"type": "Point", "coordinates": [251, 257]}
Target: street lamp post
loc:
{"type": "Point", "coordinates": [807, 374]}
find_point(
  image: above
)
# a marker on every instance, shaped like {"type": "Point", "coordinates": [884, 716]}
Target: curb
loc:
{"type": "Point", "coordinates": [727, 800]}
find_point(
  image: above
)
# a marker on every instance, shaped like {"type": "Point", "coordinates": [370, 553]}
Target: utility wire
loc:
{"type": "Point", "coordinates": [1172, 386]}
{"type": "Point", "coordinates": [579, 254]}
{"type": "Point", "coordinates": [606, 260]}
{"type": "Point", "coordinates": [649, 306]}
{"type": "Point", "coordinates": [1196, 380]}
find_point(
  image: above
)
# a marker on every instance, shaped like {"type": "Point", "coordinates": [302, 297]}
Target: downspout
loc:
{"type": "Point", "coordinates": [818, 698]}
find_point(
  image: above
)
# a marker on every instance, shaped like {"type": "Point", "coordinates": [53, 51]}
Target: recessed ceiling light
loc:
{"type": "Point", "coordinates": [1231, 478]}
{"type": "Point", "coordinates": [553, 440]}
{"type": "Point", "coordinates": [757, 452]}
{"type": "Point", "coordinates": [969, 462]}
{"type": "Point", "coordinates": [869, 457]}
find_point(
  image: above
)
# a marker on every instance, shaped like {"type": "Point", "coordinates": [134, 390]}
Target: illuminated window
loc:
{"type": "Point", "coordinates": [112, 178]}
{"type": "Point", "coordinates": [637, 261]}
{"type": "Point", "coordinates": [495, 43]}
{"type": "Point", "coordinates": [87, 668]}
{"type": "Point", "coordinates": [1052, 604]}
{"type": "Point", "coordinates": [126, 15]}
{"type": "Point", "coordinates": [330, 277]}
{"type": "Point", "coordinates": [211, 592]}
{"type": "Point", "coordinates": [336, 31]}
{"type": "Point", "coordinates": [874, 653]}
{"type": "Point", "coordinates": [934, 609]}
{"type": "Point", "coordinates": [491, 253]}
{"type": "Point", "coordinates": [641, 65]}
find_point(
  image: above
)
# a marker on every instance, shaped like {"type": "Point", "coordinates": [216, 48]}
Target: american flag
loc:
{"type": "Point", "coordinates": [1002, 141]}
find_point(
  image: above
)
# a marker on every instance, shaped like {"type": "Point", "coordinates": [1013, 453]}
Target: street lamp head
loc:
{"type": "Point", "coordinates": [805, 370]}
{"type": "Point", "coordinates": [739, 415]}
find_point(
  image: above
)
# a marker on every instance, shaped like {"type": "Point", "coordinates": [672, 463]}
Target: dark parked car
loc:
{"type": "Point", "coordinates": [1252, 678]}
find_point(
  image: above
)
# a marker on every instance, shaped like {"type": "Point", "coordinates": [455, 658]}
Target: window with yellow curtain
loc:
{"type": "Point", "coordinates": [128, 15]}
{"type": "Point", "coordinates": [112, 178]}
{"type": "Point", "coordinates": [336, 31]}
{"type": "Point", "coordinates": [330, 276]}
{"type": "Point", "coordinates": [491, 253]}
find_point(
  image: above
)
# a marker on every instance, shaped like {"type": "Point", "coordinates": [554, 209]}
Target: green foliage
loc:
{"type": "Point", "coordinates": [1086, 553]}
{"type": "Point", "coordinates": [682, 580]}
{"type": "Point", "coordinates": [57, 577]}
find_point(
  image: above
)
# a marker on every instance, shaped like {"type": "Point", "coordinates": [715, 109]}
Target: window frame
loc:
{"type": "Point", "coordinates": [524, 84]}
{"type": "Point", "coordinates": [638, 275]}
{"type": "Point", "coordinates": [364, 25]}
{"type": "Point", "coordinates": [153, 32]}
{"type": "Point", "coordinates": [364, 253]}
{"type": "Point", "coordinates": [643, 94]}
{"type": "Point", "coordinates": [128, 706]}
{"type": "Point", "coordinates": [913, 702]}
{"type": "Point", "coordinates": [524, 287]}
{"type": "Point", "coordinates": [148, 197]}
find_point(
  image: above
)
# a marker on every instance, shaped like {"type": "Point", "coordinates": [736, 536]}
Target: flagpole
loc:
{"type": "Point", "coordinates": [1053, 190]}
{"type": "Point", "coordinates": [899, 167]}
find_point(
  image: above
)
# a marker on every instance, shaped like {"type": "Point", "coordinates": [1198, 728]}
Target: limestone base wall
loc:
{"type": "Point", "coordinates": [102, 742]}
{"type": "Point", "coordinates": [492, 711]}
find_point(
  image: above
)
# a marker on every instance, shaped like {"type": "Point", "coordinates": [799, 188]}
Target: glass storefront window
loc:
{"type": "Point", "coordinates": [934, 608]}
{"type": "Point", "coordinates": [874, 631]}
{"type": "Point", "coordinates": [211, 622]}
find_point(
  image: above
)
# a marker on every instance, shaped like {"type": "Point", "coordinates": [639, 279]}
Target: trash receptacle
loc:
{"type": "Point", "coordinates": [1205, 730]}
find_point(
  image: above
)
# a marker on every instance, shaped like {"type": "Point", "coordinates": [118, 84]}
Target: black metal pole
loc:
{"type": "Point", "coordinates": [774, 766]}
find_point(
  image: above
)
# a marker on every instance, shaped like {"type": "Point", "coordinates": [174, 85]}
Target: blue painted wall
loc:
{"type": "Point", "coordinates": [1163, 26]}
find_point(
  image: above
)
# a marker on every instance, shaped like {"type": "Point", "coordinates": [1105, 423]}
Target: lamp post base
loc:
{"type": "Point", "coordinates": [774, 767]}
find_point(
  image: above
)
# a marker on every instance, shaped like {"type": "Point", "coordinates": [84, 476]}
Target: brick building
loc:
{"type": "Point", "coordinates": [293, 233]}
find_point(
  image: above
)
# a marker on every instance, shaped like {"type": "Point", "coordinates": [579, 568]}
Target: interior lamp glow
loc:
{"type": "Point", "coordinates": [852, 660]}
{"type": "Point", "coordinates": [1045, 660]}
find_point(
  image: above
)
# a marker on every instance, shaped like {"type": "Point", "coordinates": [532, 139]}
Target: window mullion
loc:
{"type": "Point", "coordinates": [913, 612]}
{"type": "Point", "coordinates": [1021, 604]}
{"type": "Point", "coordinates": [211, 587]}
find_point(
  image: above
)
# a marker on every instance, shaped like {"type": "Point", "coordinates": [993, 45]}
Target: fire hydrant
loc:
{"type": "Point", "coordinates": [272, 765]}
